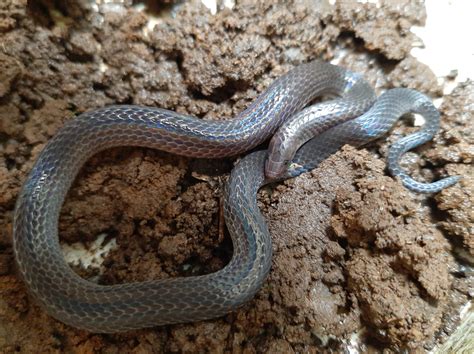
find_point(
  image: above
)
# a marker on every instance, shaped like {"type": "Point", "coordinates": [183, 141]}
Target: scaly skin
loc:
{"type": "Point", "coordinates": [99, 308]}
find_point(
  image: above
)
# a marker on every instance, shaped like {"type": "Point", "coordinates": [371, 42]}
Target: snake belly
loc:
{"type": "Point", "coordinates": [112, 308]}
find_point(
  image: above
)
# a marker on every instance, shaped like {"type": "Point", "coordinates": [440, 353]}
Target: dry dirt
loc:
{"type": "Point", "coordinates": [354, 251]}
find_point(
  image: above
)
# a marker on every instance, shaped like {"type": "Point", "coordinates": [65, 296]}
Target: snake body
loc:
{"type": "Point", "coordinates": [113, 308]}
{"type": "Point", "coordinates": [304, 155]}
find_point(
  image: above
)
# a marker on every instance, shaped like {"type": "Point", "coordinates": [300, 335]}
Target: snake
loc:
{"type": "Point", "coordinates": [353, 115]}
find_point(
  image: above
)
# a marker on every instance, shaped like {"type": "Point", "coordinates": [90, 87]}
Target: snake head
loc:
{"type": "Point", "coordinates": [278, 159]}
{"type": "Point", "coordinates": [274, 169]}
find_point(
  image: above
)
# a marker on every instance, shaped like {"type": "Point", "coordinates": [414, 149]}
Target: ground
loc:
{"type": "Point", "coordinates": [354, 251]}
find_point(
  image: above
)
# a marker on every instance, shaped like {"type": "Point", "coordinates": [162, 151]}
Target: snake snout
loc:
{"type": "Point", "coordinates": [277, 160]}
{"type": "Point", "coordinates": [275, 168]}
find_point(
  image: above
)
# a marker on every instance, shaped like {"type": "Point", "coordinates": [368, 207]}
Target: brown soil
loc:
{"type": "Point", "coordinates": [353, 250]}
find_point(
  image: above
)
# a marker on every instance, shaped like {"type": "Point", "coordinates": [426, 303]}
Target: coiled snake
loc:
{"type": "Point", "coordinates": [296, 148]}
